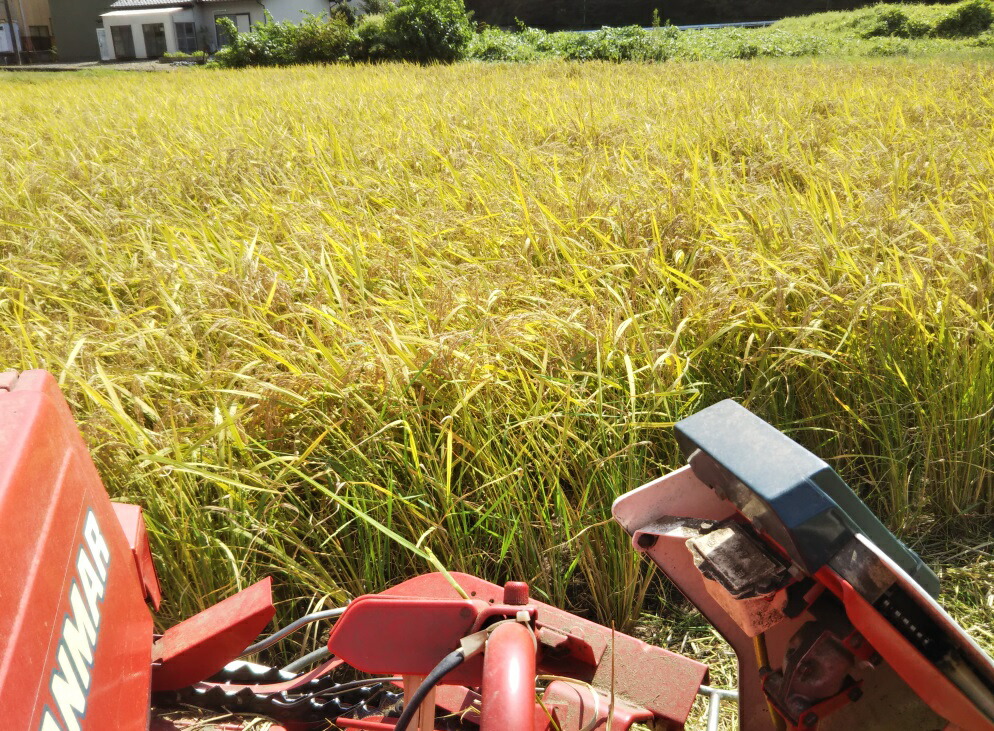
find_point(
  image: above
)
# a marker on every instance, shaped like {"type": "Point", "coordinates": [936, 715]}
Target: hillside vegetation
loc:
{"type": "Point", "coordinates": [879, 30]}
{"type": "Point", "coordinates": [469, 302]}
{"type": "Point", "coordinates": [428, 31]}
{"type": "Point", "coordinates": [565, 14]}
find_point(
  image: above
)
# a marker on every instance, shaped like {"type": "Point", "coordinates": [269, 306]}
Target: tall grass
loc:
{"type": "Point", "coordinates": [469, 302]}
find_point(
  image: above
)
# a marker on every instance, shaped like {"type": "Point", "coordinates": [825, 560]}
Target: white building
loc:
{"type": "Point", "coordinates": [150, 28]}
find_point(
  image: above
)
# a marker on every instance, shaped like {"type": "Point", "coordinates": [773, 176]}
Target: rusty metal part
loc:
{"type": "Point", "coordinates": [816, 668]}
{"type": "Point", "coordinates": [731, 554]}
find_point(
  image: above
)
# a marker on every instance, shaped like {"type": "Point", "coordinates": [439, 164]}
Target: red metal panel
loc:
{"type": "Point", "coordinates": [644, 676]}
{"type": "Point", "coordinates": [406, 636]}
{"type": "Point", "coordinates": [680, 493]}
{"type": "Point", "coordinates": [509, 679]}
{"type": "Point", "coordinates": [924, 678]}
{"type": "Point", "coordinates": [75, 634]}
{"type": "Point", "coordinates": [133, 525]}
{"type": "Point", "coordinates": [198, 647]}
{"type": "Point", "coordinates": [575, 707]}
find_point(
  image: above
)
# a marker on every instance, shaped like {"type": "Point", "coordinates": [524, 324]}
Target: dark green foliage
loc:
{"type": "Point", "coordinates": [377, 7]}
{"type": "Point", "coordinates": [424, 31]}
{"type": "Point", "coordinates": [888, 20]}
{"type": "Point", "coordinates": [428, 30]}
{"type": "Point", "coordinates": [966, 19]}
{"type": "Point", "coordinates": [371, 40]}
{"type": "Point", "coordinates": [615, 44]}
{"type": "Point", "coordinates": [963, 19]}
{"type": "Point", "coordinates": [566, 14]}
{"type": "Point", "coordinates": [198, 56]}
{"type": "Point", "coordinates": [317, 39]}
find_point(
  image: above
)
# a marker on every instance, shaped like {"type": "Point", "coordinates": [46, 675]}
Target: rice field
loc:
{"type": "Point", "coordinates": [345, 324]}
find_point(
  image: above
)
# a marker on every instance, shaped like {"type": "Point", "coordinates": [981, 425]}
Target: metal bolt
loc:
{"type": "Point", "coordinates": [647, 540]}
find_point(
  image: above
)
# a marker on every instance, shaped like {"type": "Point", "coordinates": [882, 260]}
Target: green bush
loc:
{"type": "Point", "coordinates": [887, 47]}
{"type": "Point", "coordinates": [622, 44]}
{"type": "Point", "coordinates": [317, 39]}
{"type": "Point", "coordinates": [377, 7]}
{"type": "Point", "coordinates": [985, 40]}
{"type": "Point", "coordinates": [371, 39]}
{"type": "Point", "coordinates": [198, 56]}
{"type": "Point", "coordinates": [966, 19]}
{"type": "Point", "coordinates": [611, 44]}
{"type": "Point", "coordinates": [886, 21]}
{"type": "Point", "coordinates": [493, 44]}
{"type": "Point", "coordinates": [428, 30]}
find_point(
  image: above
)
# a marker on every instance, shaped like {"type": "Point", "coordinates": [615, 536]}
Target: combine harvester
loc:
{"type": "Point", "coordinates": [833, 620]}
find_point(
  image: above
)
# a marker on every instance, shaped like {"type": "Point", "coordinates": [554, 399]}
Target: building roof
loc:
{"type": "Point", "coordinates": [141, 11]}
{"type": "Point", "coordinates": [134, 4]}
{"type": "Point", "coordinates": [148, 4]}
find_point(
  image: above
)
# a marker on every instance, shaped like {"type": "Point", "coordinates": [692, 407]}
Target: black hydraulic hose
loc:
{"type": "Point", "coordinates": [292, 627]}
{"type": "Point", "coordinates": [309, 659]}
{"type": "Point", "coordinates": [451, 661]}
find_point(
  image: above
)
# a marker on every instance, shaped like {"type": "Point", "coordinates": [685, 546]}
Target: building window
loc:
{"type": "Point", "coordinates": [242, 22]}
{"type": "Point", "coordinates": [123, 40]}
{"type": "Point", "coordinates": [186, 37]}
{"type": "Point", "coordinates": [155, 39]}
{"type": "Point", "coordinates": [41, 38]}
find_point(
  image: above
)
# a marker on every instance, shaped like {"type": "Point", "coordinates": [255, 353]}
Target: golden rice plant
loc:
{"type": "Point", "coordinates": [294, 308]}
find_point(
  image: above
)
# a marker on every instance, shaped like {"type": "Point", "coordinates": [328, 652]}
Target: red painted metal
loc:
{"type": "Point", "coordinates": [645, 676]}
{"type": "Point", "coordinates": [406, 636]}
{"type": "Point", "coordinates": [465, 702]}
{"type": "Point", "coordinates": [133, 525]}
{"type": "Point", "coordinates": [516, 593]}
{"type": "Point", "coordinates": [459, 700]}
{"type": "Point", "coordinates": [69, 582]}
{"type": "Point", "coordinates": [509, 679]}
{"type": "Point", "coordinates": [680, 493]}
{"type": "Point", "coordinates": [365, 724]}
{"type": "Point", "coordinates": [927, 681]}
{"type": "Point", "coordinates": [576, 706]}
{"type": "Point", "coordinates": [203, 644]}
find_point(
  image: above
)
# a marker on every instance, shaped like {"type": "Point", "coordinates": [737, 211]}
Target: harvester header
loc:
{"type": "Point", "coordinates": [833, 620]}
